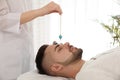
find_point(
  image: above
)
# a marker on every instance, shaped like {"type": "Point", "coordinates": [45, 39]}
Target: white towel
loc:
{"type": "Point", "coordinates": [33, 75]}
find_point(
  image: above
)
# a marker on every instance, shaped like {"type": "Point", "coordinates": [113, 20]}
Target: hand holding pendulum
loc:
{"type": "Point", "coordinates": [60, 36]}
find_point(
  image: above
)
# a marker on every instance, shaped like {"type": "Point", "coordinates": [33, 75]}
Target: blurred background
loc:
{"type": "Point", "coordinates": [79, 25]}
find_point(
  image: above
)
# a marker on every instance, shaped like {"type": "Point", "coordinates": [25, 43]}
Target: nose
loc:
{"type": "Point", "coordinates": [67, 44]}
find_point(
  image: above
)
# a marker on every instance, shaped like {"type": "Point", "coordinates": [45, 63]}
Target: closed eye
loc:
{"type": "Point", "coordinates": [56, 46]}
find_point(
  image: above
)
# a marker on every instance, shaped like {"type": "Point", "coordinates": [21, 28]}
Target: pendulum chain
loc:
{"type": "Point", "coordinates": [60, 36]}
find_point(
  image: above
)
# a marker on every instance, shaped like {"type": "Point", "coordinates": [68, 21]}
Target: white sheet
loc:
{"type": "Point", "coordinates": [33, 75]}
{"type": "Point", "coordinates": [103, 67]}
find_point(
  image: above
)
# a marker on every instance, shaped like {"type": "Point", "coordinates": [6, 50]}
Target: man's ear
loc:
{"type": "Point", "coordinates": [56, 67]}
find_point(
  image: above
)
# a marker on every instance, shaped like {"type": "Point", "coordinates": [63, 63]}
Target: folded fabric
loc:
{"type": "Point", "coordinates": [34, 75]}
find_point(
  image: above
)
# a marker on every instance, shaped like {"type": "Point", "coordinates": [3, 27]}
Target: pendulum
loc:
{"type": "Point", "coordinates": [60, 36]}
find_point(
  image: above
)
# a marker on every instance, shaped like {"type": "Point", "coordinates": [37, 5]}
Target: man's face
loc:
{"type": "Point", "coordinates": [63, 53]}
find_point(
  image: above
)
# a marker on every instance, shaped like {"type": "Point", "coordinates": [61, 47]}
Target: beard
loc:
{"type": "Point", "coordinates": [74, 57]}
{"type": "Point", "coordinates": [78, 54]}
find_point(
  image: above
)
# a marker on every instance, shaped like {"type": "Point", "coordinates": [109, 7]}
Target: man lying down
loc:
{"type": "Point", "coordinates": [66, 60]}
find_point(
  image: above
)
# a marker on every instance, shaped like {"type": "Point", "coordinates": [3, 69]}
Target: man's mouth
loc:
{"type": "Point", "coordinates": [72, 48]}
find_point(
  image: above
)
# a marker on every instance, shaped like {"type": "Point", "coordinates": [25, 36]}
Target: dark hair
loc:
{"type": "Point", "coordinates": [39, 59]}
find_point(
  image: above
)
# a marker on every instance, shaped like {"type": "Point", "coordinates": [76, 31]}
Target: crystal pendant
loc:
{"type": "Point", "coordinates": [60, 36]}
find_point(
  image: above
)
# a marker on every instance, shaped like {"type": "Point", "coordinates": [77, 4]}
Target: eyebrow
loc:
{"type": "Point", "coordinates": [56, 46]}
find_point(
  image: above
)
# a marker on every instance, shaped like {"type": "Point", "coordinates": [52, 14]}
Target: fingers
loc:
{"type": "Point", "coordinates": [53, 7]}
{"type": "Point", "coordinates": [58, 8]}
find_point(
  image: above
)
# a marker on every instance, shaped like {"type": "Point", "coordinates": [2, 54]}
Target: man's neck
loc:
{"type": "Point", "coordinates": [72, 70]}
